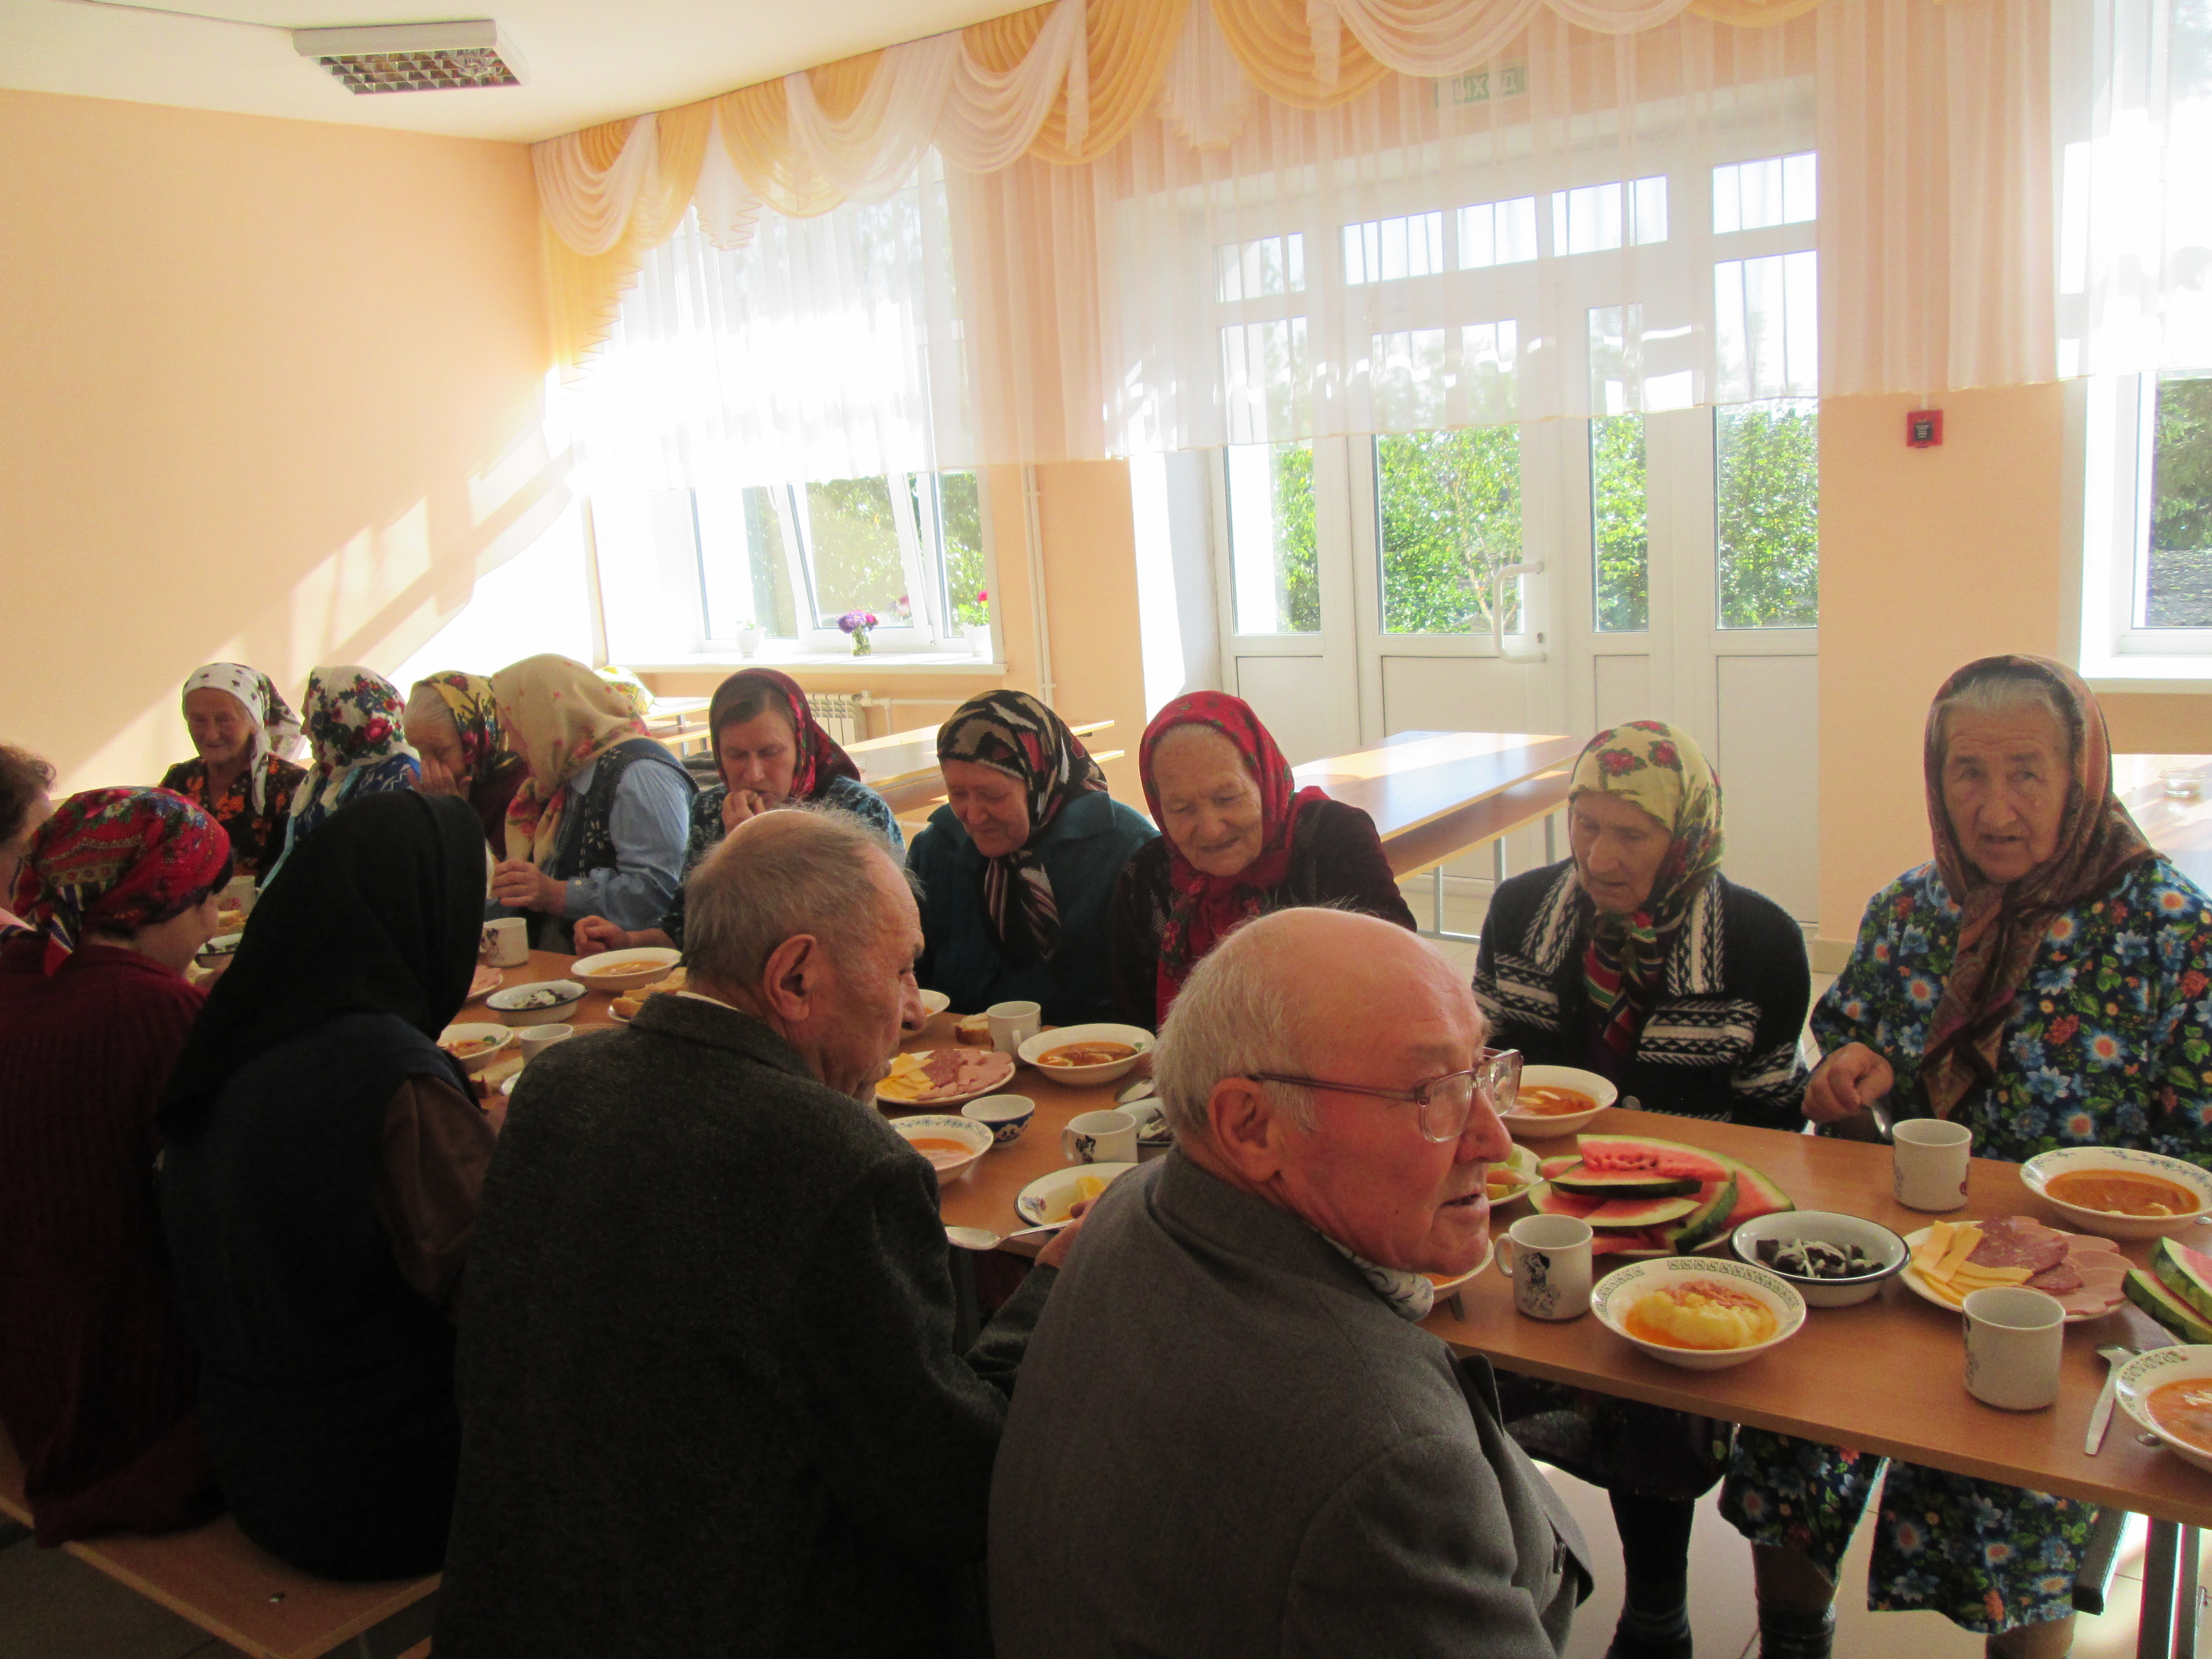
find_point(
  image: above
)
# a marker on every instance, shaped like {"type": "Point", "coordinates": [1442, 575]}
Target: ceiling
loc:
{"type": "Point", "coordinates": [584, 61]}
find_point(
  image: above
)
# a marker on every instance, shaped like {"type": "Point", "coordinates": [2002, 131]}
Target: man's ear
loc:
{"type": "Point", "coordinates": [1245, 1131]}
{"type": "Point", "coordinates": [791, 979]}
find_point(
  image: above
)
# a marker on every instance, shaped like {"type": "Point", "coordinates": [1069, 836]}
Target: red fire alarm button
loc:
{"type": "Point", "coordinates": [1923, 428]}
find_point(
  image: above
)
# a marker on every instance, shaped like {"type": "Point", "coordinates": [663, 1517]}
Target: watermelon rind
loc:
{"type": "Point", "coordinates": [1624, 1184]}
{"type": "Point", "coordinates": [1757, 1193]}
{"type": "Point", "coordinates": [2169, 1309]}
{"type": "Point", "coordinates": [2186, 1272]}
{"type": "Point", "coordinates": [1640, 1212]}
{"type": "Point", "coordinates": [1708, 1221]}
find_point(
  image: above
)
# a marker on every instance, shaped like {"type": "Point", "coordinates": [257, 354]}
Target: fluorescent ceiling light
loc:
{"type": "Point", "coordinates": [414, 56]}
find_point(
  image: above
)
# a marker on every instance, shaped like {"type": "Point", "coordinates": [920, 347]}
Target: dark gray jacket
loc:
{"type": "Point", "coordinates": [1226, 1444]}
{"type": "Point", "coordinates": [710, 1403]}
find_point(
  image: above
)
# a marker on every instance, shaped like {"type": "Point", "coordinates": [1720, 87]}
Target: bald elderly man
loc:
{"type": "Point", "coordinates": [1231, 1437]}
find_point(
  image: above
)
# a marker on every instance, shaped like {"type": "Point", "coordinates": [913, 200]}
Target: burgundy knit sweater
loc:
{"type": "Point", "coordinates": [96, 1377]}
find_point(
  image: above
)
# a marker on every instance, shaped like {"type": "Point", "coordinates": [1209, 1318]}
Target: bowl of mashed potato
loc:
{"type": "Point", "coordinates": [1701, 1313]}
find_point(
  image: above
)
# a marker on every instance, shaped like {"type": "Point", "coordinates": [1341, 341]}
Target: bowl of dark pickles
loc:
{"type": "Point", "coordinates": [1829, 1259]}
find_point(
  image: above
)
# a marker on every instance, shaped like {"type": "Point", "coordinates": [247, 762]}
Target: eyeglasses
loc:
{"type": "Point", "coordinates": [1444, 1103]}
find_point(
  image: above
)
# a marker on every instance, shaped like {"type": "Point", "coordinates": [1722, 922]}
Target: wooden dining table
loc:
{"type": "Point", "coordinates": [902, 767]}
{"type": "Point", "coordinates": [2178, 824]}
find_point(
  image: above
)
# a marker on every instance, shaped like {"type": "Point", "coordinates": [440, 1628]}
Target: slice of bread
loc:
{"type": "Point", "coordinates": [974, 1031]}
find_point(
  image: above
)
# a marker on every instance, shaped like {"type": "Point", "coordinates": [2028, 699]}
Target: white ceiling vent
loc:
{"type": "Point", "coordinates": [414, 56]}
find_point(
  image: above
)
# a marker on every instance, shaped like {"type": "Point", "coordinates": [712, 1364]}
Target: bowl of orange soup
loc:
{"type": "Point", "coordinates": [2117, 1193]}
{"type": "Point", "coordinates": [1556, 1100]}
{"type": "Point", "coordinates": [950, 1143]}
{"type": "Point", "coordinates": [2169, 1392]}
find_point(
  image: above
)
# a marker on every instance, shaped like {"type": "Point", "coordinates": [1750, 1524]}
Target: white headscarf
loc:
{"type": "Point", "coordinates": [277, 729]}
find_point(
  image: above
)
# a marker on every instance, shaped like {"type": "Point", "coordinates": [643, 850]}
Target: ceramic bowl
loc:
{"type": "Point", "coordinates": [977, 1138]}
{"type": "Point", "coordinates": [508, 1004]}
{"type": "Point", "coordinates": [222, 948]}
{"type": "Point", "coordinates": [595, 971]}
{"type": "Point", "coordinates": [935, 1003]}
{"type": "Point", "coordinates": [1612, 1296]}
{"type": "Point", "coordinates": [1005, 1116]}
{"type": "Point", "coordinates": [1826, 1227]}
{"type": "Point", "coordinates": [2037, 1171]}
{"type": "Point", "coordinates": [500, 1036]}
{"type": "Point", "coordinates": [2134, 1382]}
{"type": "Point", "coordinates": [1524, 1166]}
{"type": "Point", "coordinates": [1033, 1052]}
{"type": "Point", "coordinates": [1534, 1126]}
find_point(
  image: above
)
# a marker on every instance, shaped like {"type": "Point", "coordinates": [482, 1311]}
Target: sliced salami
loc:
{"type": "Point", "coordinates": [2057, 1280]}
{"type": "Point", "coordinates": [2016, 1241]}
{"type": "Point", "coordinates": [942, 1066]}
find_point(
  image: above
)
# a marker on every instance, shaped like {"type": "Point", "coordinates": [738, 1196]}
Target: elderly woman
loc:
{"type": "Point", "coordinates": [771, 751]}
{"type": "Point", "coordinates": [96, 1374]}
{"type": "Point", "coordinates": [245, 737]}
{"type": "Point", "coordinates": [2044, 983]}
{"type": "Point", "coordinates": [322, 1163]}
{"type": "Point", "coordinates": [1018, 868]}
{"type": "Point", "coordinates": [453, 725]}
{"type": "Point", "coordinates": [24, 805]}
{"type": "Point", "coordinates": [355, 727]}
{"type": "Point", "coordinates": [1637, 959]}
{"type": "Point", "coordinates": [597, 828]}
{"type": "Point", "coordinates": [1238, 838]}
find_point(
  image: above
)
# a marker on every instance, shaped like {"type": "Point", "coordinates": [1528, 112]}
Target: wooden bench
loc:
{"type": "Point", "coordinates": [236, 1592]}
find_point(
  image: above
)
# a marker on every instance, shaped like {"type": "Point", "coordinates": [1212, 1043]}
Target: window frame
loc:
{"type": "Point", "coordinates": [2111, 446]}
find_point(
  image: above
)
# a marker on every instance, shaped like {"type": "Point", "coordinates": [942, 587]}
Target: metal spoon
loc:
{"type": "Point", "coordinates": [2113, 1354]}
{"type": "Point", "coordinates": [983, 1238]}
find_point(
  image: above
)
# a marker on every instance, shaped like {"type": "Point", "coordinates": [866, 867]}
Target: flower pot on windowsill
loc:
{"type": "Point", "coordinates": [862, 645]}
{"type": "Point", "coordinates": [749, 640]}
{"type": "Point", "coordinates": [978, 635]}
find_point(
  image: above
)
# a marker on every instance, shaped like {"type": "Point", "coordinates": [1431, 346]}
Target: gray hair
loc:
{"type": "Point", "coordinates": [2002, 687]}
{"type": "Point", "coordinates": [424, 705]}
{"type": "Point", "coordinates": [802, 871]}
{"type": "Point", "coordinates": [1231, 1018]}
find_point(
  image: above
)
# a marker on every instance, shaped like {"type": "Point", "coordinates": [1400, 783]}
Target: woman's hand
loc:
{"type": "Point", "coordinates": [435, 778]}
{"type": "Point", "coordinates": [596, 933]}
{"type": "Point", "coordinates": [1846, 1083]}
{"type": "Point", "coordinates": [521, 885]}
{"type": "Point", "coordinates": [738, 805]}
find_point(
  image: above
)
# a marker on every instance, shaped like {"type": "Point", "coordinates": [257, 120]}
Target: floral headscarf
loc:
{"type": "Point", "coordinates": [818, 761]}
{"type": "Point", "coordinates": [1660, 768]}
{"type": "Point", "coordinates": [633, 690]}
{"type": "Point", "coordinates": [475, 713]}
{"type": "Point", "coordinates": [2003, 922]}
{"type": "Point", "coordinates": [117, 860]}
{"type": "Point", "coordinates": [354, 720]}
{"type": "Point", "coordinates": [1205, 909]}
{"type": "Point", "coordinates": [1016, 734]}
{"type": "Point", "coordinates": [275, 727]}
{"type": "Point", "coordinates": [561, 716]}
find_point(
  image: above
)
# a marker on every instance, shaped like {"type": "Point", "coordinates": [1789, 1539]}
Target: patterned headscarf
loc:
{"type": "Point", "coordinates": [818, 762]}
{"type": "Point", "coordinates": [1016, 734]}
{"type": "Point", "coordinates": [561, 716]}
{"type": "Point", "coordinates": [1660, 768]}
{"type": "Point", "coordinates": [118, 861]}
{"type": "Point", "coordinates": [475, 714]}
{"type": "Point", "coordinates": [354, 720]}
{"type": "Point", "coordinates": [1205, 909]}
{"type": "Point", "coordinates": [633, 690]}
{"type": "Point", "coordinates": [2004, 922]}
{"type": "Point", "coordinates": [275, 727]}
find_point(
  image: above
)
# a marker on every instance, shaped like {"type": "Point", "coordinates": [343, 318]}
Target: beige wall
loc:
{"type": "Point", "coordinates": [272, 395]}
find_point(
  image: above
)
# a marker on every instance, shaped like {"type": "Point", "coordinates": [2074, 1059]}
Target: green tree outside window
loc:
{"type": "Point", "coordinates": [1621, 535]}
{"type": "Point", "coordinates": [1766, 487]}
{"type": "Point", "coordinates": [1450, 507]}
{"type": "Point", "coordinates": [2179, 593]}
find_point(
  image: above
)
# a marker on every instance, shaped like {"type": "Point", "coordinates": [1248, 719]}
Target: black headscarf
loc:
{"type": "Point", "coordinates": [380, 911]}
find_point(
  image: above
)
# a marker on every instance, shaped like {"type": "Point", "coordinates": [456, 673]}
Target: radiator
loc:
{"type": "Point", "coordinates": [844, 717]}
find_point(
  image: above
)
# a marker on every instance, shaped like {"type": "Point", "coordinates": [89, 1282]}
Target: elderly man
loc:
{"type": "Point", "coordinates": [709, 1394]}
{"type": "Point", "coordinates": [1230, 1437]}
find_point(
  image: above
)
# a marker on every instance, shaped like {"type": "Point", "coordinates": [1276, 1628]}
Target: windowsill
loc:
{"type": "Point", "coordinates": [2164, 674]}
{"type": "Point", "coordinates": [888, 662]}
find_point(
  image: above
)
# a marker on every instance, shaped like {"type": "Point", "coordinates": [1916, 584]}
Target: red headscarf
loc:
{"type": "Point", "coordinates": [819, 763]}
{"type": "Point", "coordinates": [117, 860]}
{"type": "Point", "coordinates": [1205, 909]}
{"type": "Point", "coordinates": [2005, 921]}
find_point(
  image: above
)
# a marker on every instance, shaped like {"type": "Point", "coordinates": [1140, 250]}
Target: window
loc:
{"type": "Point", "coordinates": [1266, 265]}
{"type": "Point", "coordinates": [1594, 219]}
{"type": "Point", "coordinates": [1782, 189]}
{"type": "Point", "coordinates": [1272, 560]}
{"type": "Point", "coordinates": [1498, 234]}
{"type": "Point", "coordinates": [1390, 250]}
{"type": "Point", "coordinates": [1449, 504]}
{"type": "Point", "coordinates": [1766, 488]}
{"type": "Point", "coordinates": [1430, 377]}
{"type": "Point", "coordinates": [1766, 327]}
{"type": "Point", "coordinates": [1621, 539]}
{"type": "Point", "coordinates": [2177, 567]}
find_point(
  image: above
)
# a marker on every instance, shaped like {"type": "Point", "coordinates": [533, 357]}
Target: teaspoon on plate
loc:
{"type": "Point", "coordinates": [983, 1238]}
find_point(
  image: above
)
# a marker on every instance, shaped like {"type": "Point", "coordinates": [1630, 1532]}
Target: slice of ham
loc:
{"type": "Point", "coordinates": [2016, 1241]}
{"type": "Point", "coordinates": [2099, 1273]}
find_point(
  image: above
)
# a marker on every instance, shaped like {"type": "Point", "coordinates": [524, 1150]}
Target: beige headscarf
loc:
{"type": "Point", "coordinates": [562, 716]}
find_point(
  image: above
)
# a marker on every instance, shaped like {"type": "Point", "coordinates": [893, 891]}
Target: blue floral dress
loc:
{"type": "Point", "coordinates": [847, 794]}
{"type": "Point", "coordinates": [2111, 1045]}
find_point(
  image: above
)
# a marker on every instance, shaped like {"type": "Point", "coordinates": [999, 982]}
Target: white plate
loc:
{"type": "Point", "coordinates": [1047, 1198]}
{"type": "Point", "coordinates": [1446, 1287]}
{"type": "Point", "coordinates": [593, 970]}
{"type": "Point", "coordinates": [2037, 1172]}
{"type": "Point", "coordinates": [1000, 1077]}
{"type": "Point", "coordinates": [487, 979]}
{"type": "Point", "coordinates": [1911, 1279]}
{"type": "Point", "coordinates": [1531, 1126]}
{"type": "Point", "coordinates": [1620, 1289]}
{"type": "Point", "coordinates": [1076, 1076]}
{"type": "Point", "coordinates": [1525, 1162]}
{"type": "Point", "coordinates": [2134, 1382]}
{"type": "Point", "coordinates": [220, 948]}
{"type": "Point", "coordinates": [976, 1137]}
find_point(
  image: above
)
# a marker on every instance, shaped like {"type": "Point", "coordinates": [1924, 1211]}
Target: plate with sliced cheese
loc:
{"type": "Point", "coordinates": [1048, 1198]}
{"type": "Point", "coordinates": [1951, 1260]}
{"type": "Point", "coordinates": [624, 1007]}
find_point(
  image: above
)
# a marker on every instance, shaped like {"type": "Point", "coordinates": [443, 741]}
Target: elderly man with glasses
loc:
{"type": "Point", "coordinates": [1231, 1436]}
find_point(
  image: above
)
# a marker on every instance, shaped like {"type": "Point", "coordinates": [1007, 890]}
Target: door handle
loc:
{"type": "Point", "coordinates": [1498, 580]}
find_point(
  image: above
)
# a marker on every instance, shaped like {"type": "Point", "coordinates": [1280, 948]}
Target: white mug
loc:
{"type": "Point", "coordinates": [242, 892]}
{"type": "Point", "coordinates": [2015, 1337]}
{"type": "Point", "coordinates": [507, 942]}
{"type": "Point", "coordinates": [1012, 1024]}
{"type": "Point", "coordinates": [1927, 1169]}
{"type": "Point", "coordinates": [1100, 1138]}
{"type": "Point", "coordinates": [535, 1039]}
{"type": "Point", "coordinates": [1547, 1257]}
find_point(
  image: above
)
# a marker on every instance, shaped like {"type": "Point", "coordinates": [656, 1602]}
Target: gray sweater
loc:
{"type": "Point", "coordinates": [710, 1401]}
{"type": "Point", "coordinates": [1227, 1445]}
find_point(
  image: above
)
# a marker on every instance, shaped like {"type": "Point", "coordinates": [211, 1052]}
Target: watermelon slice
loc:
{"type": "Point", "coordinates": [1547, 1199]}
{"type": "Point", "coordinates": [2169, 1309]}
{"type": "Point", "coordinates": [1553, 1166]}
{"type": "Point", "coordinates": [1640, 1212]}
{"type": "Point", "coordinates": [1625, 1239]}
{"type": "Point", "coordinates": [1626, 1183]}
{"type": "Point", "coordinates": [1634, 1155]}
{"type": "Point", "coordinates": [1716, 1202]}
{"type": "Point", "coordinates": [2186, 1272]}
